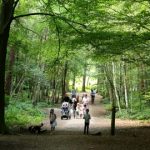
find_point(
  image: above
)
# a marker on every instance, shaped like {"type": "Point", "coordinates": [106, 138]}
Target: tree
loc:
{"type": "Point", "coordinates": [6, 15]}
{"type": "Point", "coordinates": [7, 12]}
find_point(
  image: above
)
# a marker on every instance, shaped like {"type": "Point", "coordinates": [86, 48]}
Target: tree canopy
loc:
{"type": "Point", "coordinates": [45, 45]}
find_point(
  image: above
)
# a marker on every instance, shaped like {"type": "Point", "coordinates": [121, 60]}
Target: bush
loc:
{"type": "Point", "coordinates": [23, 113]}
{"type": "Point", "coordinates": [135, 115]}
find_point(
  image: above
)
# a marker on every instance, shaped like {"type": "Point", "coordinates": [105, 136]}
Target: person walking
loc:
{"type": "Point", "coordinates": [74, 105]}
{"type": "Point", "coordinates": [93, 92]}
{"type": "Point", "coordinates": [73, 93]}
{"type": "Point", "coordinates": [86, 118]}
{"type": "Point", "coordinates": [52, 118]}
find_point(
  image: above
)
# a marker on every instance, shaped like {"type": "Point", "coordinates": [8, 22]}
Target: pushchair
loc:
{"type": "Point", "coordinates": [65, 111]}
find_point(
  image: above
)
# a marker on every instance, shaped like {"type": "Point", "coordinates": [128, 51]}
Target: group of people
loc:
{"type": "Point", "coordinates": [80, 109]}
{"type": "Point", "coordinates": [82, 106]}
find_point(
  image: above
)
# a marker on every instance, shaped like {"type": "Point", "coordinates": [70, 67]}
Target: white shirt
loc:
{"type": "Point", "coordinates": [85, 101]}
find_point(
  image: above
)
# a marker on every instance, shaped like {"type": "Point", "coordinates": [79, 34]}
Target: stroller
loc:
{"type": "Point", "coordinates": [65, 111]}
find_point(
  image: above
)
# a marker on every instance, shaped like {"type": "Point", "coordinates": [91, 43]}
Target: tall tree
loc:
{"type": "Point", "coordinates": [6, 14]}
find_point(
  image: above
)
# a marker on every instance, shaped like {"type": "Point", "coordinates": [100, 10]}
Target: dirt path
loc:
{"type": "Point", "coordinates": [76, 124]}
{"type": "Point", "coordinates": [130, 135]}
{"type": "Point", "coordinates": [98, 122]}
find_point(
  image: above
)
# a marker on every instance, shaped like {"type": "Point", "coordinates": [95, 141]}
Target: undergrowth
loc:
{"type": "Point", "coordinates": [23, 113]}
{"type": "Point", "coordinates": [136, 113]}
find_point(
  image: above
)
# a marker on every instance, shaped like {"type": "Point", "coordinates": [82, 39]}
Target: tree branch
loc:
{"type": "Point", "coordinates": [33, 14]}
{"type": "Point", "coordinates": [49, 14]}
{"type": "Point", "coordinates": [59, 41]}
{"type": "Point", "coordinates": [15, 4]}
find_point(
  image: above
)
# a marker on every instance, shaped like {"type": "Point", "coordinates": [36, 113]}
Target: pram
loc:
{"type": "Point", "coordinates": [65, 111]}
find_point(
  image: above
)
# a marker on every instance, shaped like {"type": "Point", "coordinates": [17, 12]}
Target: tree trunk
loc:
{"type": "Point", "coordinates": [53, 90]}
{"type": "Point", "coordinates": [74, 80]}
{"type": "Point", "coordinates": [113, 116]}
{"type": "Point", "coordinates": [125, 87]}
{"type": "Point", "coordinates": [84, 78]}
{"type": "Point", "coordinates": [64, 79]}
{"type": "Point", "coordinates": [141, 83]}
{"type": "Point", "coordinates": [8, 82]}
{"type": "Point", "coordinates": [110, 80]}
{"type": "Point", "coordinates": [6, 12]}
{"type": "Point", "coordinates": [115, 85]}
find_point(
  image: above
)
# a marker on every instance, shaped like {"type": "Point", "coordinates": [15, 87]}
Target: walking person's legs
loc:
{"type": "Point", "coordinates": [92, 97]}
{"type": "Point", "coordinates": [74, 113]}
{"type": "Point", "coordinates": [87, 128]}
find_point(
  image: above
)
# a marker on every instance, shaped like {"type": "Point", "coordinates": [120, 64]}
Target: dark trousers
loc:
{"type": "Point", "coordinates": [86, 128]}
{"type": "Point", "coordinates": [93, 98]}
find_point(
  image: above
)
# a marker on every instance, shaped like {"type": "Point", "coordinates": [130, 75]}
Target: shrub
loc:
{"type": "Point", "coordinates": [23, 113]}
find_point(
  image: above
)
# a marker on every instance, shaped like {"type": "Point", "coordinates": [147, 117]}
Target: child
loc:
{"type": "Point", "coordinates": [85, 101]}
{"type": "Point", "coordinates": [79, 110]}
{"type": "Point", "coordinates": [87, 118]}
{"type": "Point", "coordinates": [52, 118]}
{"type": "Point", "coordinates": [74, 105]}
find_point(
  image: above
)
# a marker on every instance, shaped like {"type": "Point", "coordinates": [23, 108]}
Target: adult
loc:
{"type": "Point", "coordinates": [74, 105]}
{"type": "Point", "coordinates": [93, 92]}
{"type": "Point", "coordinates": [73, 93]}
{"type": "Point", "coordinates": [85, 101]}
{"type": "Point", "coordinates": [67, 99]}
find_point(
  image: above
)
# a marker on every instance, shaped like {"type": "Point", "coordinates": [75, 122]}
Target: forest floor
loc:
{"type": "Point", "coordinates": [130, 135]}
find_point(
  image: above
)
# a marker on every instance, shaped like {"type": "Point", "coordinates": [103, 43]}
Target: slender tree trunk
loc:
{"type": "Point", "coordinates": [113, 116]}
{"type": "Point", "coordinates": [53, 90]}
{"type": "Point", "coordinates": [64, 79]}
{"type": "Point", "coordinates": [84, 78]}
{"type": "Point", "coordinates": [74, 81]}
{"type": "Point", "coordinates": [142, 80]}
{"type": "Point", "coordinates": [131, 89]}
{"type": "Point", "coordinates": [98, 83]}
{"type": "Point", "coordinates": [125, 87]}
{"type": "Point", "coordinates": [115, 86]}
{"type": "Point", "coordinates": [8, 82]}
{"type": "Point", "coordinates": [141, 83]}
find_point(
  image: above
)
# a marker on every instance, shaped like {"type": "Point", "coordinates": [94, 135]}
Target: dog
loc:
{"type": "Point", "coordinates": [36, 129]}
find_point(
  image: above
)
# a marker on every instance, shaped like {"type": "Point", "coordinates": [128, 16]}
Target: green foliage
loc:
{"type": "Point", "coordinates": [7, 98]}
{"type": "Point", "coordinates": [44, 104]}
{"type": "Point", "coordinates": [23, 113]}
{"type": "Point", "coordinates": [135, 115]}
{"type": "Point", "coordinates": [107, 104]}
{"type": "Point", "coordinates": [76, 31]}
{"type": "Point", "coordinates": [147, 98]}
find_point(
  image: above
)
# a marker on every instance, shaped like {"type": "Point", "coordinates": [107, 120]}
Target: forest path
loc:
{"type": "Point", "coordinates": [130, 135]}
{"type": "Point", "coordinates": [98, 122]}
